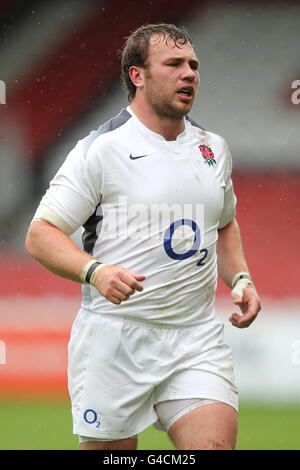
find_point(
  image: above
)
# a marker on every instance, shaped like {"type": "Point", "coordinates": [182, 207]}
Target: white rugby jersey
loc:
{"type": "Point", "coordinates": [152, 206]}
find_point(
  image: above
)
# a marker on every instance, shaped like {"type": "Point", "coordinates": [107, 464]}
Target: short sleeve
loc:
{"type": "Point", "coordinates": [75, 191]}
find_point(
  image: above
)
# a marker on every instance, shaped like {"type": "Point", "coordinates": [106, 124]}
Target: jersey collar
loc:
{"type": "Point", "coordinates": [180, 137]}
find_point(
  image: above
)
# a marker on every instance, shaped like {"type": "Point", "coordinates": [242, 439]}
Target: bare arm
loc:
{"type": "Point", "coordinates": [59, 254]}
{"type": "Point", "coordinates": [55, 250]}
{"type": "Point", "coordinates": [231, 260]}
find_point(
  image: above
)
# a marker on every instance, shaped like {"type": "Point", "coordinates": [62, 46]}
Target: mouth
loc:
{"type": "Point", "coordinates": [186, 93]}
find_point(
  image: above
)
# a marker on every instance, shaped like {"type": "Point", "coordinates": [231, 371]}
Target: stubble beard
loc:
{"type": "Point", "coordinates": [163, 105]}
{"type": "Point", "coordinates": [166, 110]}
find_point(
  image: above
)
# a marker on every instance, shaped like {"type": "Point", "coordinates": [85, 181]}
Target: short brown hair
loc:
{"type": "Point", "coordinates": [136, 46]}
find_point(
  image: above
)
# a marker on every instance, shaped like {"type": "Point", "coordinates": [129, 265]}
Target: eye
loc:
{"type": "Point", "coordinates": [194, 66]}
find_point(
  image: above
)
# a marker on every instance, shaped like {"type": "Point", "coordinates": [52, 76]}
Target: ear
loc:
{"type": "Point", "coordinates": [136, 75]}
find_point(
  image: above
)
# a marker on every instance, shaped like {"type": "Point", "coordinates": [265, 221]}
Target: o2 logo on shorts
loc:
{"type": "Point", "coordinates": [196, 244]}
{"type": "Point", "coordinates": [90, 417]}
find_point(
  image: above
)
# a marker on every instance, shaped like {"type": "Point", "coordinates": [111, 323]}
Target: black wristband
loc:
{"type": "Point", "coordinates": [90, 271]}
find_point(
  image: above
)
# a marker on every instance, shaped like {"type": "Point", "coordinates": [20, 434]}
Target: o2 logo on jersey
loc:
{"type": "Point", "coordinates": [196, 244]}
{"type": "Point", "coordinates": [90, 417]}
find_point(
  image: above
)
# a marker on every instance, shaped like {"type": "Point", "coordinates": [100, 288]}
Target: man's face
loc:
{"type": "Point", "coordinates": [171, 77]}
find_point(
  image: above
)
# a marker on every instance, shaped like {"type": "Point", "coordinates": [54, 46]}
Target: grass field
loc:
{"type": "Point", "coordinates": [47, 425]}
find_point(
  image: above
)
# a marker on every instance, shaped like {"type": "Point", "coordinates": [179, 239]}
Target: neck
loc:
{"type": "Point", "coordinates": [167, 127]}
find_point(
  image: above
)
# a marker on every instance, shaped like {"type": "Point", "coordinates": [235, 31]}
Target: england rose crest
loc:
{"type": "Point", "coordinates": [207, 154]}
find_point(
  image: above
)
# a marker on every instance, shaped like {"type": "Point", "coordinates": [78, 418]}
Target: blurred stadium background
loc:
{"type": "Point", "coordinates": [61, 72]}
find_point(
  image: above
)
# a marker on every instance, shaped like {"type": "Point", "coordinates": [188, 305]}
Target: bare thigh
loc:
{"type": "Point", "coordinates": [213, 426]}
{"type": "Point", "coordinates": [122, 444]}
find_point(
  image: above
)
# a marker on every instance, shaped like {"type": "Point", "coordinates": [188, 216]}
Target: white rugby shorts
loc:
{"type": "Point", "coordinates": [119, 369]}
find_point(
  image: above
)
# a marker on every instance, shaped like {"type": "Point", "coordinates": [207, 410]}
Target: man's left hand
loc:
{"type": "Point", "coordinates": [249, 305]}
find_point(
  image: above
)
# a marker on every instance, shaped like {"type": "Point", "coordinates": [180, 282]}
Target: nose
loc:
{"type": "Point", "coordinates": [189, 73]}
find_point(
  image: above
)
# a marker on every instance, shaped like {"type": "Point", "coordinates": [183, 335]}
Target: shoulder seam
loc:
{"type": "Point", "coordinates": [194, 123]}
{"type": "Point", "coordinates": [114, 123]}
{"type": "Point", "coordinates": [109, 126]}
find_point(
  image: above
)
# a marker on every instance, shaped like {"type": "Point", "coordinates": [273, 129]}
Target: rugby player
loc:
{"type": "Point", "coordinates": [153, 192]}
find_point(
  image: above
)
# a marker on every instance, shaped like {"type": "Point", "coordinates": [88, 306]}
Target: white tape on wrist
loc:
{"type": "Point", "coordinates": [239, 282]}
{"type": "Point", "coordinates": [89, 271]}
{"type": "Point", "coordinates": [238, 276]}
{"type": "Point", "coordinates": [240, 286]}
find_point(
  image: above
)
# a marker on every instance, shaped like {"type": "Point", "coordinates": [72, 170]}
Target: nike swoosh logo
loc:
{"type": "Point", "coordinates": [136, 158]}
